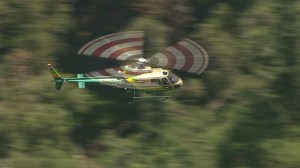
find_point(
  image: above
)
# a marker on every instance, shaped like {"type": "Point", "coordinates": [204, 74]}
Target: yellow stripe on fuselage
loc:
{"type": "Point", "coordinates": [131, 79]}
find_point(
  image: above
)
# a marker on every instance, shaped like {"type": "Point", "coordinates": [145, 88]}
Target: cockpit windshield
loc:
{"type": "Point", "coordinates": [173, 78]}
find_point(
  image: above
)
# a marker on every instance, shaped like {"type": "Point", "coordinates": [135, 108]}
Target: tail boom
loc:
{"type": "Point", "coordinates": [81, 80]}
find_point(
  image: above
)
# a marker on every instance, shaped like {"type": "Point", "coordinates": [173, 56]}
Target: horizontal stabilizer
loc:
{"type": "Point", "coordinates": [81, 85]}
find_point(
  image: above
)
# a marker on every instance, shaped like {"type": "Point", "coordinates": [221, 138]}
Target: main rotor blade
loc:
{"type": "Point", "coordinates": [185, 55]}
{"type": "Point", "coordinates": [106, 72]}
{"type": "Point", "coordinates": [119, 46]}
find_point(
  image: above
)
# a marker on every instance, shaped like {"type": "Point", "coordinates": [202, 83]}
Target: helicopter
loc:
{"type": "Point", "coordinates": [151, 74]}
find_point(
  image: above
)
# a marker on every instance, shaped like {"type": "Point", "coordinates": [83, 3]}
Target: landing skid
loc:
{"type": "Point", "coordinates": [137, 98]}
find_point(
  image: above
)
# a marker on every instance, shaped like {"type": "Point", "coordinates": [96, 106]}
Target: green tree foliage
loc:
{"type": "Point", "coordinates": [243, 111]}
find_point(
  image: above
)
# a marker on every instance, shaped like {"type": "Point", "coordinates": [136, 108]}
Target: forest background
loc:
{"type": "Point", "coordinates": [243, 111]}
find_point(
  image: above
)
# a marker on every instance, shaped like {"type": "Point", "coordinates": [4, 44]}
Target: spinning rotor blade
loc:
{"type": "Point", "coordinates": [106, 72]}
{"type": "Point", "coordinates": [185, 55]}
{"type": "Point", "coordinates": [119, 46]}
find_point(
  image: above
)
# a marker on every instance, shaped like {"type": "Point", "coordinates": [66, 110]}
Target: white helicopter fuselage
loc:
{"type": "Point", "coordinates": [157, 79]}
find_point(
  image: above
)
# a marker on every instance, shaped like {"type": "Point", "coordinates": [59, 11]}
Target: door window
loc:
{"type": "Point", "coordinates": [165, 82]}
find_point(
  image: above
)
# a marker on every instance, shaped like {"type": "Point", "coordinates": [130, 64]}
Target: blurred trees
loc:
{"type": "Point", "coordinates": [242, 112]}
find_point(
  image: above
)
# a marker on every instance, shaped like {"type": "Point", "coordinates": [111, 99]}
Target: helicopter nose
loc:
{"type": "Point", "coordinates": [178, 83]}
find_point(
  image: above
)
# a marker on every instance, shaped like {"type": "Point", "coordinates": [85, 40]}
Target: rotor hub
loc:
{"type": "Point", "coordinates": [142, 60]}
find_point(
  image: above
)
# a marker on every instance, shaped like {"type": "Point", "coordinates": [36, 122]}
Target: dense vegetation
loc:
{"type": "Point", "coordinates": [243, 111]}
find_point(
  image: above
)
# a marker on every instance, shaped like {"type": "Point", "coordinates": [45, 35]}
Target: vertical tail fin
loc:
{"type": "Point", "coordinates": [54, 73]}
{"type": "Point", "coordinates": [57, 78]}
